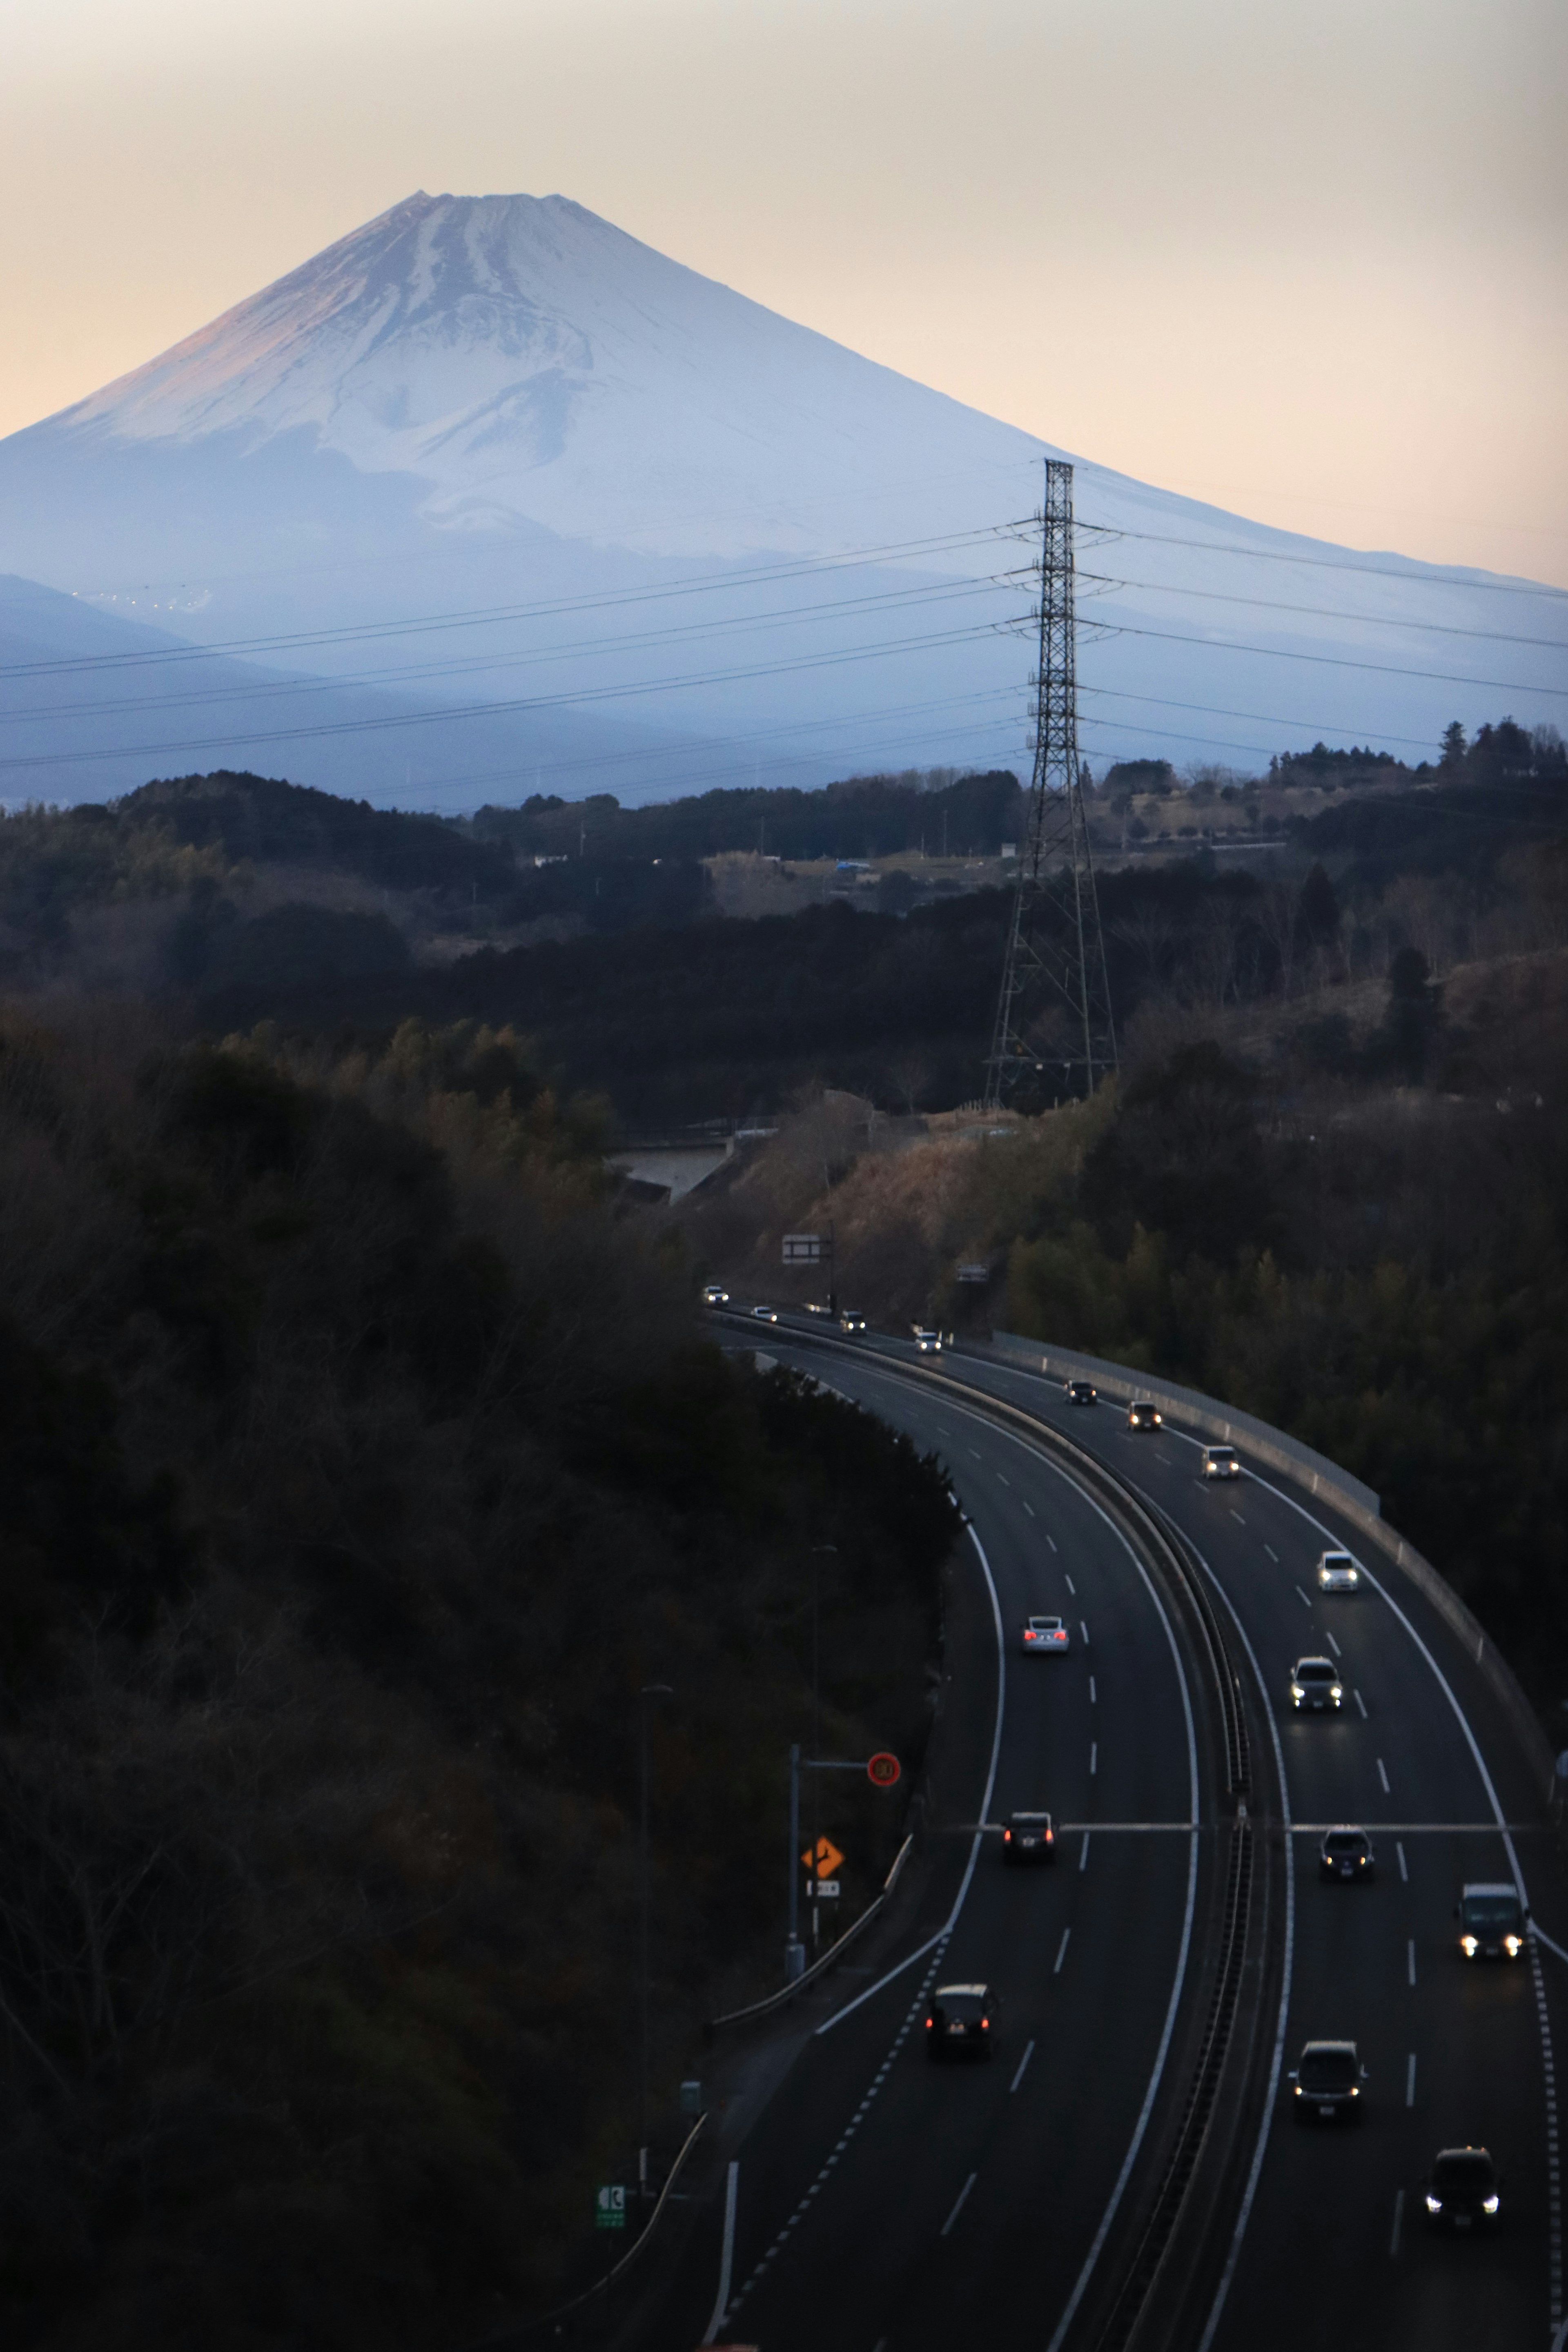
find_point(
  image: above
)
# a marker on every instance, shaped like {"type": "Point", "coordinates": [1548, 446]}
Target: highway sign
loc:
{"type": "Point", "coordinates": [610, 2208]}
{"type": "Point", "coordinates": [974, 1272]}
{"type": "Point", "coordinates": [825, 1890]}
{"type": "Point", "coordinates": [825, 1859]}
{"type": "Point", "coordinates": [883, 1770]}
{"type": "Point", "coordinates": [802, 1249]}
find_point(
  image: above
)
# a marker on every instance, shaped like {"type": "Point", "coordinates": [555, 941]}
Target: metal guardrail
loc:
{"type": "Point", "coordinates": [818, 1968]}
{"type": "Point", "coordinates": [1323, 1478]}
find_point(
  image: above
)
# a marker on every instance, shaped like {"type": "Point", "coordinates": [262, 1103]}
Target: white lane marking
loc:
{"type": "Point", "coordinates": [1383, 1775]}
{"type": "Point", "coordinates": [1237, 1517]}
{"type": "Point", "coordinates": [1398, 2218]}
{"type": "Point", "coordinates": [1301, 1596]}
{"type": "Point", "coordinates": [1410, 1957]}
{"type": "Point", "coordinates": [975, 1451]}
{"type": "Point", "coordinates": [1029, 2053]}
{"type": "Point", "coordinates": [1361, 1705]}
{"type": "Point", "coordinates": [1061, 1951]}
{"type": "Point", "coordinates": [1410, 2080]}
{"type": "Point", "coordinates": [1333, 1643]}
{"type": "Point", "coordinates": [1051, 1541]}
{"type": "Point", "coordinates": [1541, 1937]}
{"type": "Point", "coordinates": [726, 2256]}
{"type": "Point", "coordinates": [1083, 1853]}
{"type": "Point", "coordinates": [1093, 1757]}
{"type": "Point", "coordinates": [944, 1931]}
{"type": "Point", "coordinates": [1272, 1554]}
{"type": "Point", "coordinates": [1006, 1482]}
{"type": "Point", "coordinates": [1083, 1629]}
{"type": "Point", "coordinates": [1091, 1695]}
{"type": "Point", "coordinates": [1047, 1462]}
{"type": "Point", "coordinates": [1399, 1849]}
{"type": "Point", "coordinates": [1030, 1508]}
{"type": "Point", "coordinates": [1276, 2064]}
{"type": "Point", "coordinates": [958, 2207]}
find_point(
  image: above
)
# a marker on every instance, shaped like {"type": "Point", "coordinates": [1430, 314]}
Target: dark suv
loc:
{"type": "Point", "coordinates": [1083, 1392]}
{"type": "Point", "coordinates": [958, 2023]}
{"type": "Point", "coordinates": [1347, 1854]}
{"type": "Point", "coordinates": [1492, 1921]}
{"type": "Point", "coordinates": [1028, 1837]}
{"type": "Point", "coordinates": [1141, 1414]}
{"type": "Point", "coordinates": [1328, 2083]}
{"type": "Point", "coordinates": [1461, 2189]}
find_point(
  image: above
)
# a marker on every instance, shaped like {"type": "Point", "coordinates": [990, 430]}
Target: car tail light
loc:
{"type": "Point", "coordinates": [985, 2025]}
{"type": "Point", "coordinates": [1050, 1837]}
{"type": "Point", "coordinates": [929, 2022]}
{"type": "Point", "coordinates": [1006, 1837]}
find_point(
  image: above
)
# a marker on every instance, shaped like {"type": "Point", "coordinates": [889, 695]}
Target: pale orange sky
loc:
{"type": "Point", "coordinates": [1308, 263]}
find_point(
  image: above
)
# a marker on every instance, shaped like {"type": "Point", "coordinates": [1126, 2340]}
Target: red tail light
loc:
{"type": "Point", "coordinates": [1006, 1837]}
{"type": "Point", "coordinates": [985, 2025]}
{"type": "Point", "coordinates": [929, 2022]}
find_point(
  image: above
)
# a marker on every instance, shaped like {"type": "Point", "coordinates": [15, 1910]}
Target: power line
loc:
{"type": "Point", "coordinates": [1325, 612]}
{"type": "Point", "coordinates": [1331, 661]}
{"type": "Point", "coordinates": [1425, 578]}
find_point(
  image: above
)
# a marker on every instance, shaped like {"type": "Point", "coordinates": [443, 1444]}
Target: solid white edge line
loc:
{"type": "Point", "coordinates": [1277, 2062]}
{"type": "Point", "coordinates": [727, 2255]}
{"type": "Point", "coordinates": [1542, 1938]}
{"type": "Point", "coordinates": [946, 1929]}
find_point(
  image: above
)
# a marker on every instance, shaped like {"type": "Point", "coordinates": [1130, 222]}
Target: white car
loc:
{"type": "Point", "coordinates": [715, 1295]}
{"type": "Point", "coordinates": [1220, 1461]}
{"type": "Point", "coordinates": [927, 1343]}
{"type": "Point", "coordinates": [1337, 1572]}
{"type": "Point", "coordinates": [764, 1314]}
{"type": "Point", "coordinates": [1045, 1633]}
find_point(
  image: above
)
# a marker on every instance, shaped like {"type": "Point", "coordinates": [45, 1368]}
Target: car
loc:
{"type": "Point", "coordinates": [851, 1320]}
{"type": "Point", "coordinates": [1462, 2189]}
{"type": "Point", "coordinates": [927, 1343]}
{"type": "Point", "coordinates": [958, 2022]}
{"type": "Point", "coordinates": [1028, 1837]}
{"type": "Point", "coordinates": [1081, 1392]}
{"type": "Point", "coordinates": [818, 1306]}
{"type": "Point", "coordinates": [715, 1295]}
{"type": "Point", "coordinates": [764, 1314]}
{"type": "Point", "coordinates": [1346, 1854]}
{"type": "Point", "coordinates": [1315, 1685]}
{"type": "Point", "coordinates": [1045, 1633]}
{"type": "Point", "coordinates": [1141, 1414]}
{"type": "Point", "coordinates": [1220, 1461]}
{"type": "Point", "coordinates": [1492, 1920]}
{"type": "Point", "coordinates": [1337, 1572]}
{"type": "Point", "coordinates": [1328, 2083]}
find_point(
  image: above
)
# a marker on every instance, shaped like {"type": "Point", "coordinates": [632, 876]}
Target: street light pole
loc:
{"type": "Point", "coordinates": [649, 1690]}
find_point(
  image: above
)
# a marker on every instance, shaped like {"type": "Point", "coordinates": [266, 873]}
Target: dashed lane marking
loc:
{"type": "Point", "coordinates": [1093, 1757]}
{"type": "Point", "coordinates": [1030, 1508]}
{"type": "Point", "coordinates": [1383, 1775]}
{"type": "Point", "coordinates": [1410, 1958]}
{"type": "Point", "coordinates": [1061, 1952]}
{"type": "Point", "coordinates": [958, 2206]}
{"type": "Point", "coordinates": [1006, 1482]}
{"type": "Point", "coordinates": [1360, 1706]}
{"type": "Point", "coordinates": [1404, 1868]}
{"type": "Point", "coordinates": [1410, 2080]}
{"type": "Point", "coordinates": [1272, 1554]}
{"type": "Point", "coordinates": [1029, 2053]}
{"type": "Point", "coordinates": [1083, 1853]}
{"type": "Point", "coordinates": [1083, 1629]}
{"type": "Point", "coordinates": [1398, 2218]}
{"type": "Point", "coordinates": [1237, 1517]}
{"type": "Point", "coordinates": [1303, 1598]}
{"type": "Point", "coordinates": [1092, 1700]}
{"type": "Point", "coordinates": [1333, 1643]}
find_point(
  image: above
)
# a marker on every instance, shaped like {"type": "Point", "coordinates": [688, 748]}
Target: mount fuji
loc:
{"type": "Point", "coordinates": [497, 471]}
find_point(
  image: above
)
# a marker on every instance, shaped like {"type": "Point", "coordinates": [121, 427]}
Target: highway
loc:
{"type": "Point", "coordinates": [881, 2204]}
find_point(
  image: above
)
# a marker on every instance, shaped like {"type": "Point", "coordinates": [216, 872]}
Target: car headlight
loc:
{"type": "Point", "coordinates": [1355, 2090]}
{"type": "Point", "coordinates": [1434, 2204]}
{"type": "Point", "coordinates": [1469, 1946]}
{"type": "Point", "coordinates": [1491, 2204]}
{"type": "Point", "coordinates": [1513, 1946]}
{"type": "Point", "coordinates": [1336, 1692]}
{"type": "Point", "coordinates": [1297, 1692]}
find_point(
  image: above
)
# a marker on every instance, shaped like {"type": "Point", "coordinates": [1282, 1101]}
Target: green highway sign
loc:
{"type": "Point", "coordinates": [610, 2208]}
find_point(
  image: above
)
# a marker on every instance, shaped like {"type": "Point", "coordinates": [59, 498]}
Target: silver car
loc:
{"type": "Point", "coordinates": [1337, 1572]}
{"type": "Point", "coordinates": [1220, 1461]}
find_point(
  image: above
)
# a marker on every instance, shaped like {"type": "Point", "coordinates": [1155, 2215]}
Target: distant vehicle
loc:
{"type": "Point", "coordinates": [818, 1306]}
{"type": "Point", "coordinates": [1492, 1921]}
{"type": "Point", "coordinates": [1462, 2189]}
{"type": "Point", "coordinates": [1028, 1837]}
{"type": "Point", "coordinates": [1347, 1854]}
{"type": "Point", "coordinates": [1220, 1461]}
{"type": "Point", "coordinates": [1315, 1685]}
{"type": "Point", "coordinates": [1337, 1572]}
{"type": "Point", "coordinates": [766, 1314]}
{"type": "Point", "coordinates": [1141, 1414]}
{"type": "Point", "coordinates": [1083, 1392]}
{"type": "Point", "coordinates": [851, 1320]}
{"type": "Point", "coordinates": [958, 2021]}
{"type": "Point", "coordinates": [1045, 1633]}
{"type": "Point", "coordinates": [1328, 2083]}
{"type": "Point", "coordinates": [715, 1295]}
{"type": "Point", "coordinates": [928, 1343]}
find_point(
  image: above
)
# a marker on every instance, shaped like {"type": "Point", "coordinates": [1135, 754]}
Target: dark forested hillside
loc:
{"type": "Point", "coordinates": [361, 1468]}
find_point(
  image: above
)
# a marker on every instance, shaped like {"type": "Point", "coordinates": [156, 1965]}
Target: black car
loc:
{"type": "Point", "coordinates": [1028, 1837]}
{"type": "Point", "coordinates": [1083, 1392]}
{"type": "Point", "coordinates": [1492, 1920]}
{"type": "Point", "coordinates": [1141, 1414]}
{"type": "Point", "coordinates": [1462, 2189]}
{"type": "Point", "coordinates": [1347, 1854]}
{"type": "Point", "coordinates": [958, 2023]}
{"type": "Point", "coordinates": [1315, 1686]}
{"type": "Point", "coordinates": [852, 1319]}
{"type": "Point", "coordinates": [1327, 2083]}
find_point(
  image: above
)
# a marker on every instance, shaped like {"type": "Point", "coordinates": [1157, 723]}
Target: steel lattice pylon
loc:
{"type": "Point", "coordinates": [1054, 1012]}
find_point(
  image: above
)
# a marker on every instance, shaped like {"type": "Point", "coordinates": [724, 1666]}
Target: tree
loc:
{"type": "Point", "coordinates": [1454, 745]}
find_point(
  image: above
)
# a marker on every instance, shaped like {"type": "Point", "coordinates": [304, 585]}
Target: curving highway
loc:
{"type": "Point", "coordinates": [878, 2203]}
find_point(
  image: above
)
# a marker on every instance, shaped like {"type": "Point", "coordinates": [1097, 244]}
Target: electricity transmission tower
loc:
{"type": "Point", "coordinates": [1054, 1012]}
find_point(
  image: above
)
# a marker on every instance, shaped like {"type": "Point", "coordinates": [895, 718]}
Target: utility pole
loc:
{"type": "Point", "coordinates": [1055, 1004]}
{"type": "Point", "coordinates": [649, 1690]}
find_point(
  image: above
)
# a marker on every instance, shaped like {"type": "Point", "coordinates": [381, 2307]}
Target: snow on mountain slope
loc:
{"type": "Point", "coordinates": [505, 405]}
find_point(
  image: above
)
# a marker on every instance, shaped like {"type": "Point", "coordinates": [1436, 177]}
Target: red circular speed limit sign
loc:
{"type": "Point", "coordinates": [883, 1770]}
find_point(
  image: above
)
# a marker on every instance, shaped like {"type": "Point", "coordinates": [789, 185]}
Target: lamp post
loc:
{"type": "Point", "coordinates": [649, 1690]}
{"type": "Point", "coordinates": [818, 1553]}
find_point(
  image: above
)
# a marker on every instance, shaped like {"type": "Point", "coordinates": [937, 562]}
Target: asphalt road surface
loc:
{"type": "Point", "coordinates": [882, 2203]}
